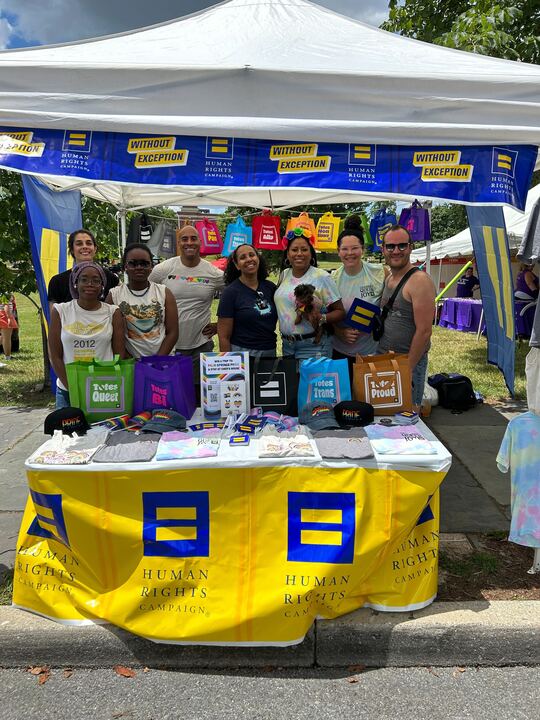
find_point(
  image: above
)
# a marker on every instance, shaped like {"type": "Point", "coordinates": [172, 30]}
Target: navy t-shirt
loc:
{"type": "Point", "coordinates": [253, 312]}
{"type": "Point", "coordinates": [465, 285]}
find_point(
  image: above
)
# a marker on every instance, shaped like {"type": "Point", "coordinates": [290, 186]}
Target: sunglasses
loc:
{"type": "Point", "coordinates": [390, 247]}
{"type": "Point", "coordinates": [138, 263]}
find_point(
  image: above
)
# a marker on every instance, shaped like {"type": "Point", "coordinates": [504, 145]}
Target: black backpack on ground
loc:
{"type": "Point", "coordinates": [455, 391]}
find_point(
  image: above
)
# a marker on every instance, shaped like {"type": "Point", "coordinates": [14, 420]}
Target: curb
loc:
{"type": "Point", "coordinates": [445, 634]}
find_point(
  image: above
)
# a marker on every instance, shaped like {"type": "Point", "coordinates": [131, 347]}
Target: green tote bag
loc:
{"type": "Point", "coordinates": [101, 388]}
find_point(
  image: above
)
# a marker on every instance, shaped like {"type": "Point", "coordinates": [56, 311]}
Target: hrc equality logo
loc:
{"type": "Point", "coordinates": [49, 522]}
{"type": "Point", "coordinates": [77, 141]}
{"type": "Point", "coordinates": [321, 527]}
{"type": "Point", "coordinates": [176, 524]}
{"type": "Point", "coordinates": [504, 161]}
{"type": "Point", "coordinates": [365, 155]}
{"type": "Point", "coordinates": [219, 148]}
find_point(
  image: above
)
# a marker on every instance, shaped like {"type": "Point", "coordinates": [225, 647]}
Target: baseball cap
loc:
{"type": "Point", "coordinates": [318, 416]}
{"type": "Point", "coordinates": [164, 421]}
{"type": "Point", "coordinates": [353, 413]}
{"type": "Point", "coordinates": [68, 419]}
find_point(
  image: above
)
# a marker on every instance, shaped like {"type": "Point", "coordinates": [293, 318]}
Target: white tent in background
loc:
{"type": "Point", "coordinates": [460, 245]}
{"type": "Point", "coordinates": [267, 69]}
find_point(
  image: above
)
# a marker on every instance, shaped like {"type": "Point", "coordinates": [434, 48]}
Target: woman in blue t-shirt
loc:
{"type": "Point", "coordinates": [247, 315]}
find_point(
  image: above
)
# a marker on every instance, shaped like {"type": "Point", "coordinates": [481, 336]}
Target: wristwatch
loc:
{"type": "Point", "coordinates": [323, 319]}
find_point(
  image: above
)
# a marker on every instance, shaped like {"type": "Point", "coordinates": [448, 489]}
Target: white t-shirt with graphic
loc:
{"type": "Point", "coordinates": [366, 285]}
{"type": "Point", "coordinates": [86, 334]}
{"type": "Point", "coordinates": [193, 289]}
{"type": "Point", "coordinates": [144, 316]}
{"type": "Point", "coordinates": [325, 289]}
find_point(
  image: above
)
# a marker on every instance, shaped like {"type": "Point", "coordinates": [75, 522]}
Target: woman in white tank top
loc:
{"type": "Point", "coordinates": [85, 328]}
{"type": "Point", "coordinates": [149, 309]}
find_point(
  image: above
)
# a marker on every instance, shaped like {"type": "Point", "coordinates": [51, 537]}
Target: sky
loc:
{"type": "Point", "coordinates": [38, 22]}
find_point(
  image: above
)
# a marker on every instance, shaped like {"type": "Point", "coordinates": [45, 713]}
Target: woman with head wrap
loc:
{"type": "Point", "coordinates": [85, 328]}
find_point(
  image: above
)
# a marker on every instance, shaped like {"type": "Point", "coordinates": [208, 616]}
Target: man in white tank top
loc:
{"type": "Point", "coordinates": [408, 325]}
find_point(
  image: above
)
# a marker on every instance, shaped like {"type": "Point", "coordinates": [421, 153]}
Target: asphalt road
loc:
{"type": "Point", "coordinates": [379, 694]}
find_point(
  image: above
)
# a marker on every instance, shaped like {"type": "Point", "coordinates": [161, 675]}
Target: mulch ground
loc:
{"type": "Point", "coordinates": [495, 570]}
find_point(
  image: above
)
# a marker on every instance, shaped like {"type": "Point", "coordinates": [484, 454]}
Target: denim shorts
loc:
{"type": "Point", "coordinates": [419, 380]}
{"type": "Point", "coordinates": [62, 398]}
{"type": "Point", "coordinates": [303, 349]}
{"type": "Point", "coordinates": [254, 353]}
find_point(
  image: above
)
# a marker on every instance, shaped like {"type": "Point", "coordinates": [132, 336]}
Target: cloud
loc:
{"type": "Point", "coordinates": [6, 31]}
{"type": "Point", "coordinates": [37, 22]}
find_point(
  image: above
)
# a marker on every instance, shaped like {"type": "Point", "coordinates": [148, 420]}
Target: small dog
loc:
{"type": "Point", "coordinates": [307, 306]}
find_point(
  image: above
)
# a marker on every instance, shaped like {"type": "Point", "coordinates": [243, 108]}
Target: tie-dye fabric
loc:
{"type": "Point", "coordinates": [520, 452]}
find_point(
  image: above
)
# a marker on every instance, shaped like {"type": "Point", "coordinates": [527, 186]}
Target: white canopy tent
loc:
{"type": "Point", "coordinates": [267, 69]}
{"type": "Point", "coordinates": [460, 245]}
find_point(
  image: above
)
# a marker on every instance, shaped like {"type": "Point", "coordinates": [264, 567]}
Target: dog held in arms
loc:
{"type": "Point", "coordinates": [308, 307]}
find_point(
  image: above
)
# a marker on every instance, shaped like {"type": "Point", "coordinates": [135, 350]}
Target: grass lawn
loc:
{"type": "Point", "coordinates": [21, 380]}
{"type": "Point", "coordinates": [451, 351]}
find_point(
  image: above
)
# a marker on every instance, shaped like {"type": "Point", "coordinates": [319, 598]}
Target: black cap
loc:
{"type": "Point", "coordinates": [68, 419]}
{"type": "Point", "coordinates": [164, 421]}
{"type": "Point", "coordinates": [353, 413]}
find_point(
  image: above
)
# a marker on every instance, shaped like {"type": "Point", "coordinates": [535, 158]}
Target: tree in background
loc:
{"type": "Point", "coordinates": [447, 220]}
{"type": "Point", "coordinates": [508, 29]}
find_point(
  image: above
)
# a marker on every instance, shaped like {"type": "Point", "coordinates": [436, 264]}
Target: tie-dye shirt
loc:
{"type": "Point", "coordinates": [325, 289]}
{"type": "Point", "coordinates": [520, 452]}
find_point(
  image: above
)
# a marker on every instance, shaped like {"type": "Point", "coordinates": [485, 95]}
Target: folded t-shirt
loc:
{"type": "Point", "coordinates": [70, 450]}
{"type": "Point", "coordinates": [285, 445]}
{"type": "Point", "coordinates": [125, 446]}
{"type": "Point", "coordinates": [353, 444]}
{"type": "Point", "coordinates": [180, 446]}
{"type": "Point", "coordinates": [400, 440]}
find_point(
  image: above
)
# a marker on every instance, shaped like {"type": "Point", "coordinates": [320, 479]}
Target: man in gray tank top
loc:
{"type": "Point", "coordinates": [408, 325]}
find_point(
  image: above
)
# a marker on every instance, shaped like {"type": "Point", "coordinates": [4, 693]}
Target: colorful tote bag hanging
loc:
{"type": "Point", "coordinates": [383, 381]}
{"type": "Point", "coordinates": [267, 231]}
{"type": "Point", "coordinates": [238, 233]}
{"type": "Point", "coordinates": [327, 232]}
{"type": "Point", "coordinates": [165, 381]}
{"type": "Point", "coordinates": [101, 388]}
{"type": "Point", "coordinates": [380, 224]}
{"type": "Point", "coordinates": [301, 221]}
{"type": "Point", "coordinates": [211, 243]}
{"type": "Point", "coordinates": [323, 380]}
{"type": "Point", "coordinates": [415, 220]}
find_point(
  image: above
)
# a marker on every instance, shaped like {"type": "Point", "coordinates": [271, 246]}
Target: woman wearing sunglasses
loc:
{"type": "Point", "coordinates": [247, 315]}
{"type": "Point", "coordinates": [84, 328]}
{"type": "Point", "coordinates": [149, 309]}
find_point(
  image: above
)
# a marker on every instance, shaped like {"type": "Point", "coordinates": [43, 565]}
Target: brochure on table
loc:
{"type": "Point", "coordinates": [224, 384]}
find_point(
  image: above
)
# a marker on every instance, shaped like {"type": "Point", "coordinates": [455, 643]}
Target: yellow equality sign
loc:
{"type": "Point", "coordinates": [226, 556]}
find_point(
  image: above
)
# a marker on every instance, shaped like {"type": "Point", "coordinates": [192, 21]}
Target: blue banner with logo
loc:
{"type": "Point", "coordinates": [490, 245]}
{"type": "Point", "coordinates": [51, 217]}
{"type": "Point", "coordinates": [478, 174]}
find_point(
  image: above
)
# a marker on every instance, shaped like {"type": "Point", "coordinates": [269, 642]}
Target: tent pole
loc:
{"type": "Point", "coordinates": [123, 229]}
{"type": "Point", "coordinates": [480, 325]}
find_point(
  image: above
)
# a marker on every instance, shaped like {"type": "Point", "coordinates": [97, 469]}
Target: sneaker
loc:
{"type": "Point", "coordinates": [7, 357]}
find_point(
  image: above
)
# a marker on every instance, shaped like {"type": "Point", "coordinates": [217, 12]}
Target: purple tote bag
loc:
{"type": "Point", "coordinates": [416, 220]}
{"type": "Point", "coordinates": [164, 381]}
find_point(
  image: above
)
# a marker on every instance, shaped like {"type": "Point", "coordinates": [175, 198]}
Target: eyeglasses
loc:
{"type": "Point", "coordinates": [138, 263]}
{"type": "Point", "coordinates": [390, 247]}
{"type": "Point", "coordinates": [94, 281]}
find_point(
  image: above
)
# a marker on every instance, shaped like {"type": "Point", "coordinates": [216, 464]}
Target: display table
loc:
{"type": "Point", "coordinates": [462, 314]}
{"type": "Point", "coordinates": [233, 550]}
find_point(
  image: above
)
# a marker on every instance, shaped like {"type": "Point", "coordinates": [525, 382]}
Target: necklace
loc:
{"type": "Point", "coordinates": [139, 294]}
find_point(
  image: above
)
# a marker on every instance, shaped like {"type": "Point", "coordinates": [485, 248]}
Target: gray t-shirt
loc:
{"type": "Point", "coordinates": [193, 289]}
{"type": "Point", "coordinates": [352, 444]}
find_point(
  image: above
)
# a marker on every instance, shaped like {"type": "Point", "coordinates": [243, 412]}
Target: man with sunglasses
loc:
{"type": "Point", "coordinates": [409, 323]}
